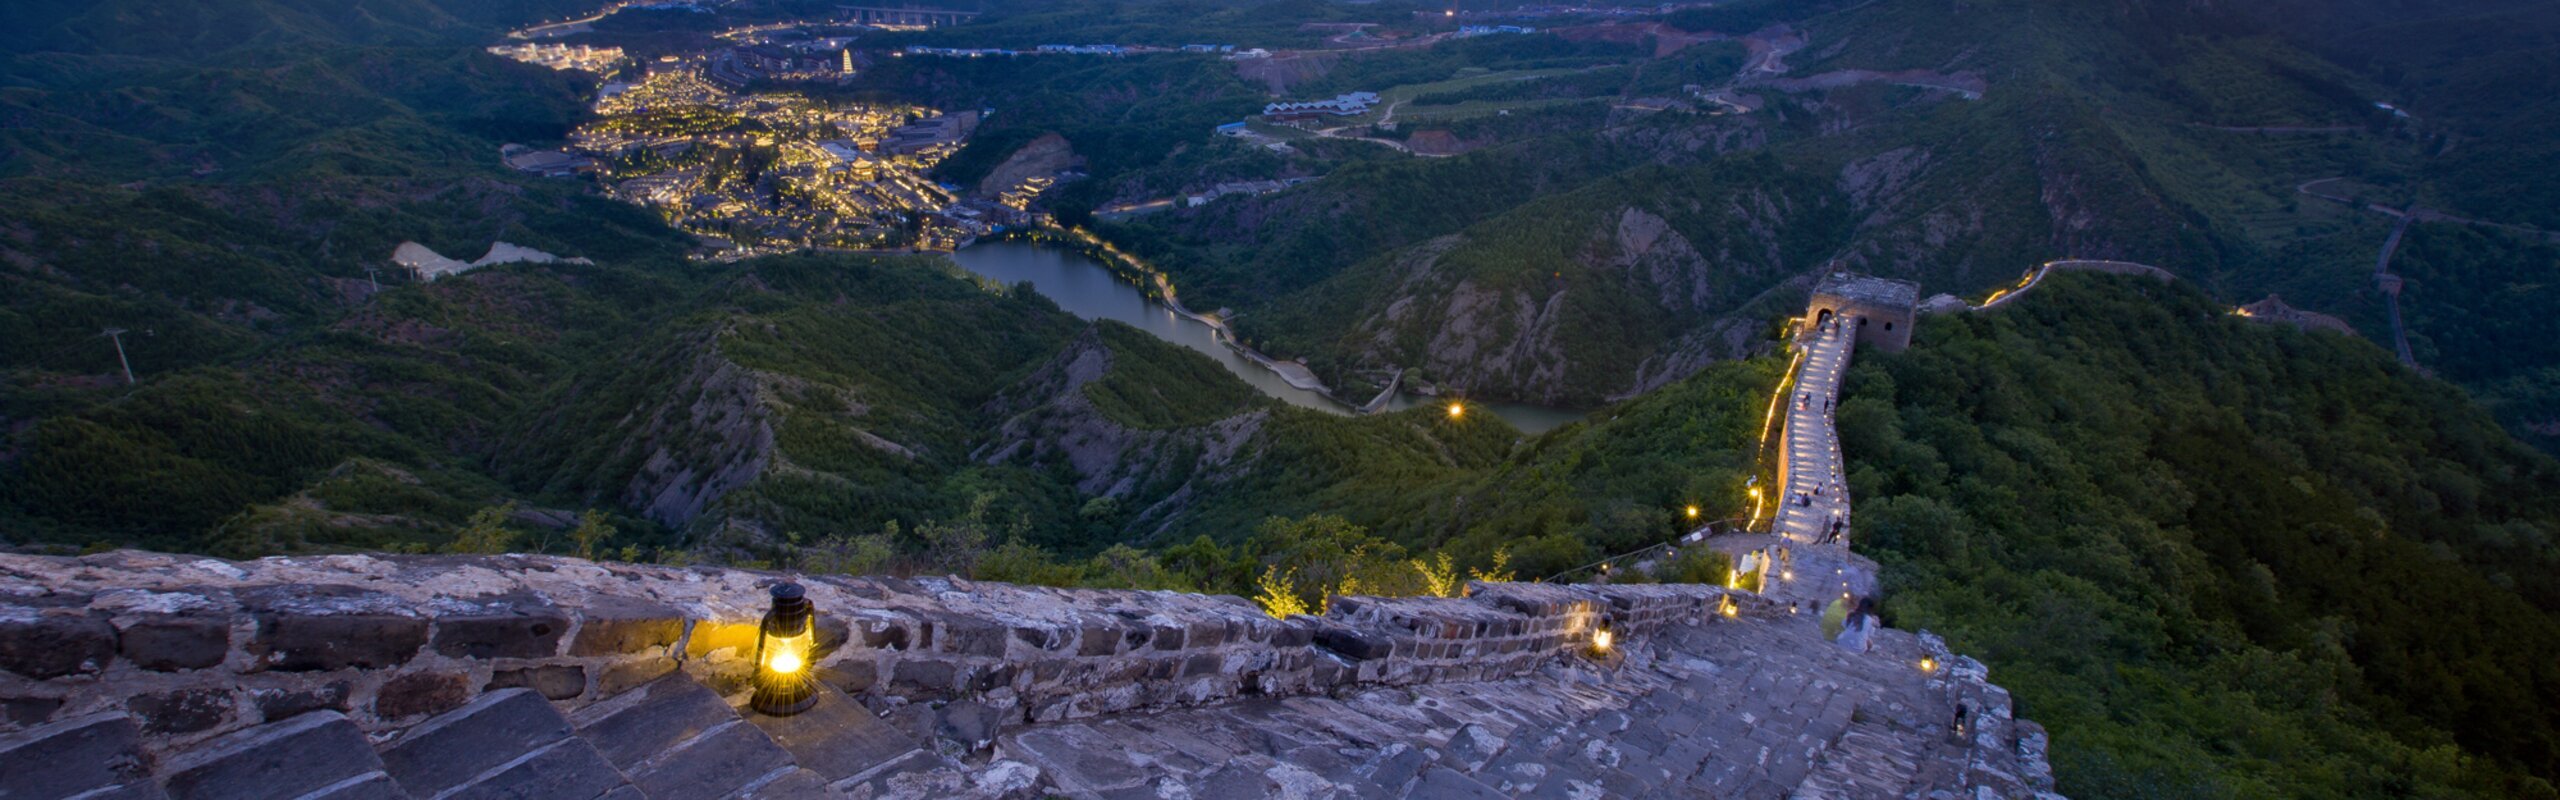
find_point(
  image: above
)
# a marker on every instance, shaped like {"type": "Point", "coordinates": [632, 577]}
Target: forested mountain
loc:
{"type": "Point", "coordinates": [2220, 558]}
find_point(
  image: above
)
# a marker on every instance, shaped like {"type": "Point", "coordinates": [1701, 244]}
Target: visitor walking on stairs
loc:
{"type": "Point", "coordinates": [1859, 627]}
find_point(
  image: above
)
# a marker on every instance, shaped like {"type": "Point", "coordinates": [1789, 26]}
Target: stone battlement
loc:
{"type": "Point", "coordinates": [194, 647]}
{"type": "Point", "coordinates": [426, 675]}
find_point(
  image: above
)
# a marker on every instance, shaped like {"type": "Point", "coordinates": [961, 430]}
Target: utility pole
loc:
{"type": "Point", "coordinates": [369, 274]}
{"type": "Point", "coordinates": [117, 335]}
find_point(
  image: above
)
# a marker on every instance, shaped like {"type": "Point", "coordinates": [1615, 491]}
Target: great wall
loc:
{"type": "Point", "coordinates": [143, 675]}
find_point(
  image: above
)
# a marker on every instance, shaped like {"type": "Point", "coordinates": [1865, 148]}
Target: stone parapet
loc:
{"type": "Point", "coordinates": [196, 647]}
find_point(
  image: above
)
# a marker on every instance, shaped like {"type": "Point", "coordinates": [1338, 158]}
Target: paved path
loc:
{"type": "Point", "coordinates": [1755, 711]}
{"type": "Point", "coordinates": [1813, 492]}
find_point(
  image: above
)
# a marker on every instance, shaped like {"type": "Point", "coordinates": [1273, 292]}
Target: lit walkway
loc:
{"type": "Point", "coordinates": [1813, 492]}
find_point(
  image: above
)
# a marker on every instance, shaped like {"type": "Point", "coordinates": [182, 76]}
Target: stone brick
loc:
{"type": "Point", "coordinates": [53, 645]}
{"type": "Point", "coordinates": [1200, 664]}
{"type": "Point", "coordinates": [884, 635]}
{"type": "Point", "coordinates": [924, 674]}
{"type": "Point", "coordinates": [854, 676]}
{"type": "Point", "coordinates": [708, 636]}
{"type": "Point", "coordinates": [1293, 633]}
{"type": "Point", "coordinates": [559, 682]}
{"type": "Point", "coordinates": [276, 704]}
{"type": "Point", "coordinates": [1038, 638]}
{"type": "Point", "coordinates": [664, 713]}
{"type": "Point", "coordinates": [297, 643]}
{"type": "Point", "coordinates": [625, 675]}
{"type": "Point", "coordinates": [285, 759]}
{"type": "Point", "coordinates": [173, 643]}
{"type": "Point", "coordinates": [421, 693]}
{"type": "Point", "coordinates": [73, 756]}
{"type": "Point", "coordinates": [720, 763]}
{"type": "Point", "coordinates": [1206, 633]}
{"type": "Point", "coordinates": [837, 737]}
{"type": "Point", "coordinates": [528, 634]}
{"type": "Point", "coordinates": [1167, 637]}
{"type": "Point", "coordinates": [28, 712]}
{"type": "Point", "coordinates": [616, 626]}
{"type": "Point", "coordinates": [454, 748]}
{"type": "Point", "coordinates": [182, 711]}
{"type": "Point", "coordinates": [990, 678]}
{"type": "Point", "coordinates": [568, 768]}
{"type": "Point", "coordinates": [1095, 639]}
{"type": "Point", "coordinates": [972, 637]}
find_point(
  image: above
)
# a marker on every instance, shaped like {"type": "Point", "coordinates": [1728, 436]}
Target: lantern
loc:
{"type": "Point", "coordinates": [784, 646]}
{"type": "Point", "coordinates": [1601, 639]}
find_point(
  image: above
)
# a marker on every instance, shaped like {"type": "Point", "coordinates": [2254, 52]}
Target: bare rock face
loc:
{"type": "Point", "coordinates": [1047, 155]}
{"type": "Point", "coordinates": [1048, 419]}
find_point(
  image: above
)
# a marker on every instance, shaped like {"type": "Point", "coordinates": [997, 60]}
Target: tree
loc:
{"type": "Point", "coordinates": [486, 532]}
{"type": "Point", "coordinates": [592, 530]}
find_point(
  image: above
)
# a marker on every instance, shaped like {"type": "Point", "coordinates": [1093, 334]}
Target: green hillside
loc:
{"type": "Point", "coordinates": [2217, 558]}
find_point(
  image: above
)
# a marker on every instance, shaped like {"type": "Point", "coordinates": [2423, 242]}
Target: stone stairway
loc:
{"type": "Point", "coordinates": [669, 739]}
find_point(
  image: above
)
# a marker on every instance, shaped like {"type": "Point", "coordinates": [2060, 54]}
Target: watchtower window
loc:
{"type": "Point", "coordinates": [1888, 326]}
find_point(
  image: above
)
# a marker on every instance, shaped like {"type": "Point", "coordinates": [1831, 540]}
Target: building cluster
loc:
{"type": "Point", "coordinates": [1075, 50]}
{"type": "Point", "coordinates": [759, 172]}
{"type": "Point", "coordinates": [735, 67]}
{"type": "Point", "coordinates": [1350, 104]}
{"type": "Point", "coordinates": [598, 60]}
{"type": "Point", "coordinates": [1236, 188]}
{"type": "Point", "coordinates": [1468, 31]}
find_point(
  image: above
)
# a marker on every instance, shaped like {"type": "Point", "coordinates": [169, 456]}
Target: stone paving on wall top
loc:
{"type": "Point", "coordinates": [997, 685]}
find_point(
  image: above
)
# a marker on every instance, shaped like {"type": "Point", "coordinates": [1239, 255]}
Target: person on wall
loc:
{"type": "Point", "coordinates": [1857, 631]}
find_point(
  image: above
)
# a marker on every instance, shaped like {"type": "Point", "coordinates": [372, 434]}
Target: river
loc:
{"type": "Point", "coordinates": [1087, 289]}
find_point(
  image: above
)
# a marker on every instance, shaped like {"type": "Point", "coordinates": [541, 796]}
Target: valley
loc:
{"type": "Point", "coordinates": [1298, 301]}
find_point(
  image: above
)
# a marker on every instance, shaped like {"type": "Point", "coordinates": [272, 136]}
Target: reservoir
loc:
{"type": "Point", "coordinates": [1089, 290]}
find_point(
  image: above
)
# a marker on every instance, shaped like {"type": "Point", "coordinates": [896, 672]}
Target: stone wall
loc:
{"type": "Point", "coordinates": [195, 647]}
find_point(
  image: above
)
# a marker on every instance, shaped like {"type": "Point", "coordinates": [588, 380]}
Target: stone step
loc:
{"type": "Point", "coordinates": [316, 756]}
{"type": "Point", "coordinates": [843, 743]}
{"type": "Point", "coordinates": [510, 743]}
{"type": "Point", "coordinates": [677, 740]}
{"type": "Point", "coordinates": [96, 756]}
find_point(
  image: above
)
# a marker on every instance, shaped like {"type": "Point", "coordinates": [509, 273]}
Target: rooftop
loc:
{"type": "Point", "coordinates": [1869, 289]}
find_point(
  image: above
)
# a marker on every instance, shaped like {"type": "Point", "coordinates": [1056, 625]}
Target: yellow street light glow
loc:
{"type": "Point", "coordinates": [1693, 512]}
{"type": "Point", "coordinates": [1457, 410]}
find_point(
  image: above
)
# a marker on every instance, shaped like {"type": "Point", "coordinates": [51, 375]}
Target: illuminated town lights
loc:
{"type": "Point", "coordinates": [783, 644]}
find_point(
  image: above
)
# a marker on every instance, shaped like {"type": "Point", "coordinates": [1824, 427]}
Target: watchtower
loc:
{"type": "Point", "coordinates": [1881, 309]}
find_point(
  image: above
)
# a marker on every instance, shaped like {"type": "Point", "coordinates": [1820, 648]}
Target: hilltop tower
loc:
{"type": "Point", "coordinates": [1882, 309]}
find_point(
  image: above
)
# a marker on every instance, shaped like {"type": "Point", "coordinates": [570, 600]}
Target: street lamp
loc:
{"type": "Point", "coordinates": [783, 645]}
{"type": "Point", "coordinates": [1692, 512]}
{"type": "Point", "coordinates": [1457, 409]}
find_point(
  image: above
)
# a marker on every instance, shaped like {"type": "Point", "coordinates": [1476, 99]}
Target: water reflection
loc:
{"type": "Point", "coordinates": [1086, 289]}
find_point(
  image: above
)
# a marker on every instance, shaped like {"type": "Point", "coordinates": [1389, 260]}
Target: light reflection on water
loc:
{"type": "Point", "coordinates": [1087, 289]}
